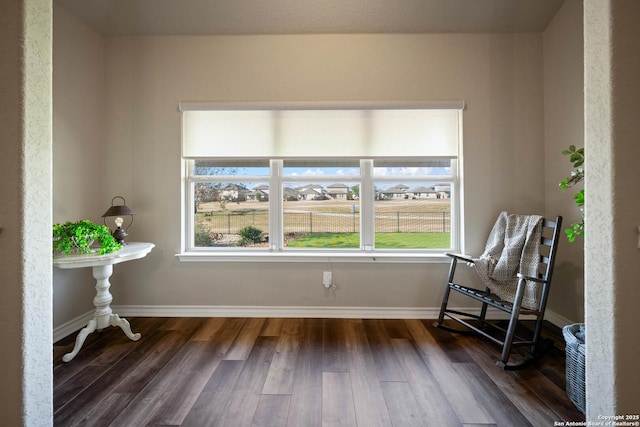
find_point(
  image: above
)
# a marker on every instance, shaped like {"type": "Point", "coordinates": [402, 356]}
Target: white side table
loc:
{"type": "Point", "coordinates": [102, 268]}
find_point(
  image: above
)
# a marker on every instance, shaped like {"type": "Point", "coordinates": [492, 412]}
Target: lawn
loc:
{"type": "Point", "coordinates": [383, 240]}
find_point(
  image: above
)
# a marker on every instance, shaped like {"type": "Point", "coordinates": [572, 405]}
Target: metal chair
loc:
{"type": "Point", "coordinates": [548, 235]}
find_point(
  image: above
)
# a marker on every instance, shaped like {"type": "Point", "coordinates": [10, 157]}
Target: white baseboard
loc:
{"type": "Point", "coordinates": [278, 311]}
{"type": "Point", "coordinates": [282, 312]}
{"type": "Point", "coordinates": [555, 319]}
{"type": "Point", "coordinates": [72, 326]}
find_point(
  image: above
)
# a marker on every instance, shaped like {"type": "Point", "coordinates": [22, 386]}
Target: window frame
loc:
{"type": "Point", "coordinates": [276, 250]}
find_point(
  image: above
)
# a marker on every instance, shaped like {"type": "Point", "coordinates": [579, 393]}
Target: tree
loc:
{"type": "Point", "coordinates": [355, 191]}
{"type": "Point", "coordinates": [204, 192]}
{"type": "Point", "coordinates": [208, 191]}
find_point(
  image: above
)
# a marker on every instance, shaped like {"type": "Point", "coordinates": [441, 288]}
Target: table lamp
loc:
{"type": "Point", "coordinates": [119, 211]}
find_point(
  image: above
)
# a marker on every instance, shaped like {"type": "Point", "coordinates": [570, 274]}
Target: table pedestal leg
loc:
{"type": "Point", "coordinates": [103, 315]}
{"type": "Point", "coordinates": [122, 323]}
{"type": "Point", "coordinates": [82, 335]}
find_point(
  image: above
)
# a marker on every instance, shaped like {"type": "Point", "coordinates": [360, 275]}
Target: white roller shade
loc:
{"type": "Point", "coordinates": [414, 133]}
{"type": "Point", "coordinates": [227, 134]}
{"type": "Point", "coordinates": [216, 132]}
{"type": "Point", "coordinates": [321, 133]}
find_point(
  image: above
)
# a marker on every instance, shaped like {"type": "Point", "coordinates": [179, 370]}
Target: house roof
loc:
{"type": "Point", "coordinates": [421, 190]}
{"type": "Point", "coordinates": [400, 188]}
{"type": "Point", "coordinates": [314, 187]}
{"type": "Point", "coordinates": [308, 191]}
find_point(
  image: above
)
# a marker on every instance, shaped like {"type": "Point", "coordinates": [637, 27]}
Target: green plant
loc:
{"type": "Point", "coordinates": [250, 235]}
{"type": "Point", "coordinates": [77, 237]}
{"type": "Point", "coordinates": [201, 237]}
{"type": "Point", "coordinates": [576, 157]}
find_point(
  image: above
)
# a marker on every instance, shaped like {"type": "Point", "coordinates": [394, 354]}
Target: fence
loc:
{"type": "Point", "coordinates": [328, 222]}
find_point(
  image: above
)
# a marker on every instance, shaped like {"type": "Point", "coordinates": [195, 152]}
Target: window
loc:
{"type": "Point", "coordinates": [227, 197]}
{"type": "Point", "coordinates": [303, 180]}
{"type": "Point", "coordinates": [320, 208]}
{"type": "Point", "coordinates": [412, 208]}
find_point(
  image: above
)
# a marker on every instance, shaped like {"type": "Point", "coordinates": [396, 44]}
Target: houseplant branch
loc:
{"type": "Point", "coordinates": [576, 157]}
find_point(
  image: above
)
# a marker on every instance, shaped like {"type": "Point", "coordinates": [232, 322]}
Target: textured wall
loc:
{"type": "Point", "coordinates": [25, 213]}
{"type": "Point", "coordinates": [11, 326]}
{"type": "Point", "coordinates": [612, 89]}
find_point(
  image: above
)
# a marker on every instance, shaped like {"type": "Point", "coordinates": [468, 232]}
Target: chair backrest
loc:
{"type": "Point", "coordinates": [549, 245]}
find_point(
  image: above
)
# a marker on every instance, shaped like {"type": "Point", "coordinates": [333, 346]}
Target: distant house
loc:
{"type": "Point", "coordinates": [290, 194]}
{"type": "Point", "coordinates": [312, 192]}
{"type": "Point", "coordinates": [233, 192]}
{"type": "Point", "coordinates": [423, 193]}
{"type": "Point", "coordinates": [339, 191]}
{"type": "Point", "coordinates": [444, 190]}
{"type": "Point", "coordinates": [309, 194]}
{"type": "Point", "coordinates": [259, 194]}
{"type": "Point", "coordinates": [396, 192]}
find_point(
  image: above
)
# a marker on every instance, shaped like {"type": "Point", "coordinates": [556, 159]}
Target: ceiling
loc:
{"type": "Point", "coordinates": [199, 17]}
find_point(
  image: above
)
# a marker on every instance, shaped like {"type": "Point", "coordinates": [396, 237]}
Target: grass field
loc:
{"type": "Point", "coordinates": [383, 240]}
{"type": "Point", "coordinates": [335, 223]}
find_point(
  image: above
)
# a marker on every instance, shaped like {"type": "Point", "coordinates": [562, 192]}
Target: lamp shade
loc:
{"type": "Point", "coordinates": [118, 210]}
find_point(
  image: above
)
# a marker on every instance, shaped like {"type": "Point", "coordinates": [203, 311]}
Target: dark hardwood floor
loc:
{"type": "Point", "coordinates": [302, 373]}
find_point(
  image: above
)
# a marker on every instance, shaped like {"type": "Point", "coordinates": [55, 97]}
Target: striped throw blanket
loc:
{"type": "Point", "coordinates": [512, 247]}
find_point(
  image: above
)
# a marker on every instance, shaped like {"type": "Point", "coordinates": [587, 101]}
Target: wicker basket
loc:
{"type": "Point", "coordinates": [575, 349]}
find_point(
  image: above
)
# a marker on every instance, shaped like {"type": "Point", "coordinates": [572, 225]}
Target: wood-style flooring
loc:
{"type": "Point", "coordinates": [302, 373]}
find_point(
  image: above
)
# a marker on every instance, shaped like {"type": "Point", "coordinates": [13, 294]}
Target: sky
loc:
{"type": "Point", "coordinates": [335, 173]}
{"type": "Point", "coordinates": [342, 171]}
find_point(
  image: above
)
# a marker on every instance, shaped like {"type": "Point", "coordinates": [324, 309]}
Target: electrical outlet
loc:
{"type": "Point", "coordinates": [326, 279]}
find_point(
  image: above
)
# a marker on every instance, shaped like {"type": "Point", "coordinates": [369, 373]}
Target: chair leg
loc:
{"type": "Point", "coordinates": [443, 307]}
{"type": "Point", "coordinates": [513, 323]}
{"type": "Point", "coordinates": [483, 312]}
{"type": "Point", "coordinates": [447, 292]}
{"type": "Point", "coordinates": [538, 342]}
{"type": "Point", "coordinates": [535, 347]}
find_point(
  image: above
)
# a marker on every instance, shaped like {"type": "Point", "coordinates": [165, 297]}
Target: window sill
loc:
{"type": "Point", "coordinates": [352, 257]}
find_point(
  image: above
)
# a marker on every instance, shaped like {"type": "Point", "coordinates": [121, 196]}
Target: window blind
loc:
{"type": "Point", "coordinates": [255, 131]}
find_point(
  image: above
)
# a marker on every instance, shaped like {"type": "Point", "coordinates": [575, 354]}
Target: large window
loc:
{"type": "Point", "coordinates": [317, 180]}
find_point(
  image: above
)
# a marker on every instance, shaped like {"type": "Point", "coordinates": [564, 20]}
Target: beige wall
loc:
{"type": "Point", "coordinates": [500, 77]}
{"type": "Point", "coordinates": [564, 126]}
{"type": "Point", "coordinates": [78, 149]}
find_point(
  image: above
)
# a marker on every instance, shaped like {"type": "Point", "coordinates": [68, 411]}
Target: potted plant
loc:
{"type": "Point", "coordinates": [78, 237]}
{"type": "Point", "coordinates": [574, 334]}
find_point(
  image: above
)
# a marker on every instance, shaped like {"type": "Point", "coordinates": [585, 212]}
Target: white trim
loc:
{"type": "Point", "coordinates": [314, 105]}
{"type": "Point", "coordinates": [308, 256]}
{"type": "Point", "coordinates": [81, 321]}
{"type": "Point", "coordinates": [278, 312]}
{"type": "Point", "coordinates": [556, 319]}
{"type": "Point", "coordinates": [308, 312]}
{"type": "Point", "coordinates": [72, 326]}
